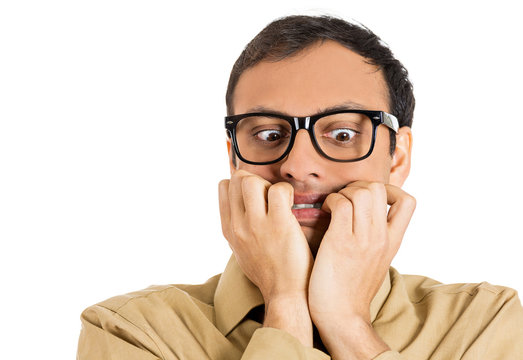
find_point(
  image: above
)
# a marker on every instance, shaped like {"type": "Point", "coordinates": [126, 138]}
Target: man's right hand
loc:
{"type": "Point", "coordinates": [270, 248]}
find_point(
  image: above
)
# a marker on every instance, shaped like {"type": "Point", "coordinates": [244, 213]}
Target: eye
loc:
{"type": "Point", "coordinates": [269, 135]}
{"type": "Point", "coordinates": [341, 135]}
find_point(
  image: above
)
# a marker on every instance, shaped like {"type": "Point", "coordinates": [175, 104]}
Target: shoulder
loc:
{"type": "Point", "coordinates": [483, 297]}
{"type": "Point", "coordinates": [147, 321]}
{"type": "Point", "coordinates": [155, 302]}
{"type": "Point", "coordinates": [463, 318]}
{"type": "Point", "coordinates": [198, 293]}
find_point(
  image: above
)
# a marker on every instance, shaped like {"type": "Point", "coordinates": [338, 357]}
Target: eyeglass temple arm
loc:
{"type": "Point", "coordinates": [390, 120]}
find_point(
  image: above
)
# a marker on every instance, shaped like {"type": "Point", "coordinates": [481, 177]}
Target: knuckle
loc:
{"type": "Point", "coordinates": [238, 175]}
{"type": "Point", "coordinates": [223, 186]}
{"type": "Point", "coordinates": [338, 203]}
{"type": "Point", "coordinates": [235, 175]}
{"type": "Point", "coordinates": [342, 205]}
{"type": "Point", "coordinates": [331, 198]}
{"type": "Point", "coordinates": [236, 229]}
{"type": "Point", "coordinates": [362, 194]}
{"type": "Point", "coordinates": [249, 181]}
{"type": "Point", "coordinates": [280, 189]}
{"type": "Point", "coordinates": [377, 188]}
{"type": "Point", "coordinates": [410, 201]}
{"type": "Point", "coordinates": [241, 173]}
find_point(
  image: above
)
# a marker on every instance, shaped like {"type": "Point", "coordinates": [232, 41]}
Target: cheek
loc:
{"type": "Point", "coordinates": [265, 171]}
{"type": "Point", "coordinates": [348, 173]}
{"type": "Point", "coordinates": [372, 170]}
{"type": "Point", "coordinates": [382, 145]}
{"type": "Point", "coordinates": [377, 166]}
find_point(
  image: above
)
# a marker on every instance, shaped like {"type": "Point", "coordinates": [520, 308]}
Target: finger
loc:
{"type": "Point", "coordinates": [254, 190]}
{"type": "Point", "coordinates": [402, 207]}
{"type": "Point", "coordinates": [361, 208]}
{"type": "Point", "coordinates": [378, 194]}
{"type": "Point", "coordinates": [280, 199]}
{"type": "Point", "coordinates": [225, 210]}
{"type": "Point", "coordinates": [341, 211]}
{"type": "Point", "coordinates": [236, 195]}
{"type": "Point", "coordinates": [370, 206]}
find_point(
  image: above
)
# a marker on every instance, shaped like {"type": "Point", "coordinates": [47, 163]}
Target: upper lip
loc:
{"type": "Point", "coordinates": [309, 198]}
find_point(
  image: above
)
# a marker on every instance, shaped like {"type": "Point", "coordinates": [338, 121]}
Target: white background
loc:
{"type": "Point", "coordinates": [103, 190]}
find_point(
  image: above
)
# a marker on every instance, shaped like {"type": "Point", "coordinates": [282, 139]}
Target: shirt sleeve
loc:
{"type": "Point", "coordinates": [502, 335]}
{"type": "Point", "coordinates": [271, 343]}
{"type": "Point", "coordinates": [106, 335]}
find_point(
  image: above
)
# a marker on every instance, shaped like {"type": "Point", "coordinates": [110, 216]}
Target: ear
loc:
{"type": "Point", "coordinates": [232, 157]}
{"type": "Point", "coordinates": [401, 159]}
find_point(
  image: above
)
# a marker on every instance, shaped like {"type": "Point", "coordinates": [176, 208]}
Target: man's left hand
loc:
{"type": "Point", "coordinates": [352, 262]}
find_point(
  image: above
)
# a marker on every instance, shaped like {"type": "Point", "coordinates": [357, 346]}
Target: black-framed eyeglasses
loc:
{"type": "Point", "coordinates": [343, 135]}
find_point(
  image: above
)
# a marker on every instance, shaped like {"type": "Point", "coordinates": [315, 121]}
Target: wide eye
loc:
{"type": "Point", "coordinates": [341, 135]}
{"type": "Point", "coordinates": [269, 135]}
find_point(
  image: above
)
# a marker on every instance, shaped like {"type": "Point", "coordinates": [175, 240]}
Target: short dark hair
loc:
{"type": "Point", "coordinates": [289, 35]}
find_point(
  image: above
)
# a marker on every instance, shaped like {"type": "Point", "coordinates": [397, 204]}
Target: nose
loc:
{"type": "Point", "coordinates": [303, 163]}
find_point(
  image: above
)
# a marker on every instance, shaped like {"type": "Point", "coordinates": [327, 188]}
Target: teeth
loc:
{"type": "Point", "coordinates": [306, 206]}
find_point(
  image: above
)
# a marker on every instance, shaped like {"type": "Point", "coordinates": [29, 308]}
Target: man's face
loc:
{"type": "Point", "coordinates": [320, 77]}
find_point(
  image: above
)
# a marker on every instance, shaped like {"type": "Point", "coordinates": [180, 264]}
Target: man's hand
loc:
{"type": "Point", "coordinates": [352, 262]}
{"type": "Point", "coordinates": [270, 248]}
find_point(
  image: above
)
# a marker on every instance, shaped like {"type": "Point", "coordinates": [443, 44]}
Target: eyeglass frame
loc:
{"type": "Point", "coordinates": [307, 123]}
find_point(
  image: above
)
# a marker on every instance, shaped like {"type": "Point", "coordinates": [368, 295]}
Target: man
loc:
{"type": "Point", "coordinates": [320, 144]}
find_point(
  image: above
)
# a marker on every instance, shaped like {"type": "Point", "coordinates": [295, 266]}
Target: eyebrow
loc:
{"type": "Point", "coordinates": [347, 105]}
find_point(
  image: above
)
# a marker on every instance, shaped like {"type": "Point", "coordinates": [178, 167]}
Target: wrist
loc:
{"type": "Point", "coordinates": [290, 314]}
{"type": "Point", "coordinates": [352, 338]}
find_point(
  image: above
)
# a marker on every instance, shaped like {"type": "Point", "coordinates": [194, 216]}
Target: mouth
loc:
{"type": "Point", "coordinates": [307, 206]}
{"type": "Point", "coordinates": [308, 201]}
{"type": "Point", "coordinates": [307, 209]}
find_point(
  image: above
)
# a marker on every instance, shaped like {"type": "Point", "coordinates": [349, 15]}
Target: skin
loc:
{"type": "Point", "coordinates": [323, 271]}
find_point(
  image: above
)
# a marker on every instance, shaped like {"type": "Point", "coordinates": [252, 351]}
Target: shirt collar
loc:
{"type": "Point", "coordinates": [236, 295]}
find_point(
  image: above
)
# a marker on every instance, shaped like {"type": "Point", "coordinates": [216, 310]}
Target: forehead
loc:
{"type": "Point", "coordinates": [321, 76]}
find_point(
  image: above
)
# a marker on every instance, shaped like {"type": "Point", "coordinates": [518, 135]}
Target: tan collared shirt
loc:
{"type": "Point", "coordinates": [417, 317]}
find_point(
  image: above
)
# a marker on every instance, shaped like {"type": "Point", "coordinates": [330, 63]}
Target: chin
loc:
{"type": "Point", "coordinates": [314, 237]}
